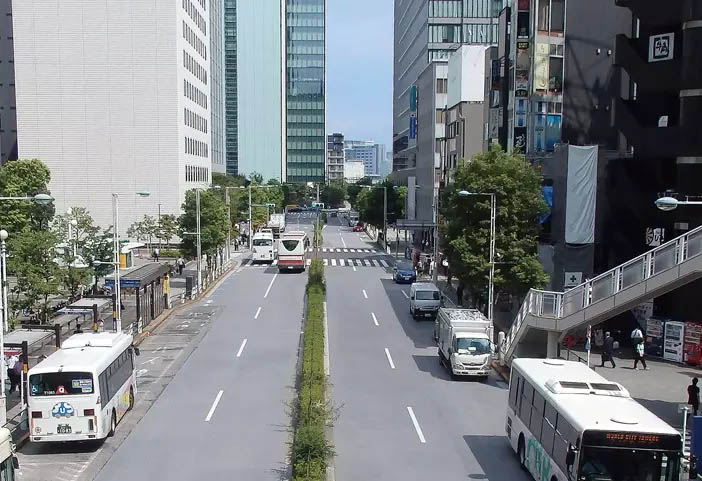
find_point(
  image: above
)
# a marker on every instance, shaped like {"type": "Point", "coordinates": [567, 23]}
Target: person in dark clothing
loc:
{"type": "Point", "coordinates": [693, 396]}
{"type": "Point", "coordinates": [459, 294]}
{"type": "Point", "coordinates": [78, 330]}
{"type": "Point", "coordinates": [608, 350]}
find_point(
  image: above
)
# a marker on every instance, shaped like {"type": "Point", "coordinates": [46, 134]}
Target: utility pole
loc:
{"type": "Point", "coordinates": [160, 233]}
{"type": "Point", "coordinates": [435, 274]}
{"type": "Point", "coordinates": [385, 217]}
{"type": "Point", "coordinates": [491, 285]}
{"type": "Point", "coordinates": [250, 221]}
{"type": "Point", "coordinates": [199, 243]}
{"type": "Point", "coordinates": [115, 244]}
{"type": "Point", "coordinates": [229, 223]}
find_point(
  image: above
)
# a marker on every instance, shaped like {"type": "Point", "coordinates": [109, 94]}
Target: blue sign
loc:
{"type": "Point", "coordinates": [123, 283]}
{"type": "Point", "coordinates": [412, 127]}
{"type": "Point", "coordinates": [413, 98]}
{"type": "Point", "coordinates": [62, 410]}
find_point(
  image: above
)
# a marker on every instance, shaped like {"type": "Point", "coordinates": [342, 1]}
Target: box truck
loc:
{"type": "Point", "coordinates": [465, 339]}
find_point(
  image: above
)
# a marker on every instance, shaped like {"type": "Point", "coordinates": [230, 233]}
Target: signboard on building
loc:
{"type": "Point", "coordinates": [413, 127]}
{"type": "Point", "coordinates": [523, 5]}
{"type": "Point", "coordinates": [521, 84]}
{"type": "Point", "coordinates": [572, 279]}
{"type": "Point", "coordinates": [660, 47]}
{"type": "Point", "coordinates": [520, 140]}
{"type": "Point", "coordinates": [655, 236]}
{"type": "Point", "coordinates": [495, 122]}
{"type": "Point", "coordinates": [520, 113]}
{"type": "Point", "coordinates": [413, 98]}
{"type": "Point", "coordinates": [539, 134]}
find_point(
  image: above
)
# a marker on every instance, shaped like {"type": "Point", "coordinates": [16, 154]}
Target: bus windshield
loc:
{"type": "Point", "coordinates": [620, 464]}
{"type": "Point", "coordinates": [60, 383]}
{"type": "Point", "coordinates": [290, 245]}
{"type": "Point", "coordinates": [262, 242]}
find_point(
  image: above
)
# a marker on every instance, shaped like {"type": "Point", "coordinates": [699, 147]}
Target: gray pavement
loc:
{"type": "Point", "coordinates": [249, 356]}
{"type": "Point", "coordinates": [461, 422]}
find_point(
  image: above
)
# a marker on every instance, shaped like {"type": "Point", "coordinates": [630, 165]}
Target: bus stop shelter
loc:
{"type": "Point", "coordinates": [150, 284]}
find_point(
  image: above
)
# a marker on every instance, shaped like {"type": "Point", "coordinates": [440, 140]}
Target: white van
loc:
{"type": "Point", "coordinates": [425, 300]}
{"type": "Point", "coordinates": [263, 247]}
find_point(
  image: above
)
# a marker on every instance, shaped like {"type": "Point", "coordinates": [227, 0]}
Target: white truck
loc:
{"type": "Point", "coordinates": [465, 339]}
{"type": "Point", "coordinates": [277, 224]}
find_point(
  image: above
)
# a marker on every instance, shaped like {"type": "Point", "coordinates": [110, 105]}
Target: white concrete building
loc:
{"type": "Point", "coordinates": [354, 170]}
{"type": "Point", "coordinates": [114, 96]}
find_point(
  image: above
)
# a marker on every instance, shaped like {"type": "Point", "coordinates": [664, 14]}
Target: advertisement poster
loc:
{"type": "Point", "coordinates": [520, 139]}
{"type": "Point", "coordinates": [553, 131]}
{"type": "Point", "coordinates": [539, 132]}
{"type": "Point", "coordinates": [520, 112]}
{"type": "Point", "coordinates": [523, 62]}
{"type": "Point", "coordinates": [541, 67]}
{"type": "Point", "coordinates": [494, 121]}
{"type": "Point", "coordinates": [412, 127]}
{"type": "Point", "coordinates": [523, 5]}
{"type": "Point", "coordinates": [521, 84]}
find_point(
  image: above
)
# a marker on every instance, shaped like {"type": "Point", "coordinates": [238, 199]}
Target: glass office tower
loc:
{"type": "Point", "coordinates": [305, 90]}
{"type": "Point", "coordinates": [230, 88]}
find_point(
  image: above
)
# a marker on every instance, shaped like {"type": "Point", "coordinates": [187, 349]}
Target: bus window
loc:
{"type": "Point", "coordinates": [548, 430]}
{"type": "Point", "coordinates": [53, 383]}
{"type": "Point", "coordinates": [525, 407]}
{"type": "Point", "coordinates": [513, 390]}
{"type": "Point", "coordinates": [290, 244]}
{"type": "Point", "coordinates": [537, 415]}
{"type": "Point", "coordinates": [262, 242]}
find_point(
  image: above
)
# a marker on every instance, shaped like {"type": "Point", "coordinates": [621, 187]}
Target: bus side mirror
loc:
{"type": "Point", "coordinates": [15, 462]}
{"type": "Point", "coordinates": [570, 457]}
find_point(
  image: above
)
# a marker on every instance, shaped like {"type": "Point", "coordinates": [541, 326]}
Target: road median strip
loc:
{"type": "Point", "coordinates": [311, 449]}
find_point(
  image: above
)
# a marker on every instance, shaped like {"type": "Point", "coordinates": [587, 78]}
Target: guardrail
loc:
{"type": "Point", "coordinates": [18, 426]}
{"type": "Point", "coordinates": [558, 305]}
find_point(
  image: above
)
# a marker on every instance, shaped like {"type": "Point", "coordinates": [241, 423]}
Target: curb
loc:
{"type": "Point", "coordinates": [157, 323]}
{"type": "Point", "coordinates": [501, 371]}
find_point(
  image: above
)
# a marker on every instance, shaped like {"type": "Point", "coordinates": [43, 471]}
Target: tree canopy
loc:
{"type": "Point", "coordinates": [213, 222]}
{"type": "Point", "coordinates": [19, 178]}
{"type": "Point", "coordinates": [369, 203]}
{"type": "Point", "coordinates": [466, 230]}
{"type": "Point", "coordinates": [333, 195]}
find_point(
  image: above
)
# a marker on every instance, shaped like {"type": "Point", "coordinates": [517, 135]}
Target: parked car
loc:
{"type": "Point", "coordinates": [404, 272]}
{"type": "Point", "coordinates": [358, 227]}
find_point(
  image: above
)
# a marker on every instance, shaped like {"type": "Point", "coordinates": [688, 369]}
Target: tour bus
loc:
{"type": "Point", "coordinates": [8, 459]}
{"type": "Point", "coordinates": [293, 250]}
{"type": "Point", "coordinates": [263, 247]}
{"type": "Point", "coordinates": [566, 422]}
{"type": "Point", "coordinates": [81, 391]}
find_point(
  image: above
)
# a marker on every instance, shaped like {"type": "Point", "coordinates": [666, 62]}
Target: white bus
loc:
{"type": "Point", "coordinates": [8, 459]}
{"type": "Point", "coordinates": [568, 423]}
{"type": "Point", "coordinates": [293, 250]}
{"type": "Point", "coordinates": [263, 247]}
{"type": "Point", "coordinates": [81, 391]}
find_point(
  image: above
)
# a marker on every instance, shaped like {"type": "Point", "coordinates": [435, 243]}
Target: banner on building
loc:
{"type": "Point", "coordinates": [413, 127]}
{"type": "Point", "coordinates": [520, 113]}
{"type": "Point", "coordinates": [655, 236]}
{"type": "Point", "coordinates": [413, 98]}
{"type": "Point", "coordinates": [494, 121]}
{"type": "Point", "coordinates": [541, 67]}
{"type": "Point", "coordinates": [520, 139]}
{"type": "Point", "coordinates": [521, 84]}
{"type": "Point", "coordinates": [539, 134]}
{"type": "Point", "coordinates": [581, 194]}
{"type": "Point", "coordinates": [553, 131]}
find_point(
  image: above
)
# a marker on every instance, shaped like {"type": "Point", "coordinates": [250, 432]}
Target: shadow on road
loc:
{"type": "Point", "coordinates": [430, 365]}
{"type": "Point", "coordinates": [495, 457]}
{"type": "Point", "coordinates": [78, 447]}
{"type": "Point", "coordinates": [421, 332]}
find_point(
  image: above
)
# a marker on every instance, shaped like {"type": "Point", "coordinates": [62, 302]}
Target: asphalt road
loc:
{"type": "Point", "coordinates": [224, 415]}
{"type": "Point", "coordinates": [401, 417]}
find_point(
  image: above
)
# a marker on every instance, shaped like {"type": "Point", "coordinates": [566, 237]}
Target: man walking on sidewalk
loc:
{"type": "Point", "coordinates": [608, 350]}
{"type": "Point", "coordinates": [459, 294]}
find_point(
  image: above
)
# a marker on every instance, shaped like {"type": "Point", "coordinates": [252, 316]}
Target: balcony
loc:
{"type": "Point", "coordinates": [660, 14]}
{"type": "Point", "coordinates": [652, 141]}
{"type": "Point", "coordinates": [632, 56]}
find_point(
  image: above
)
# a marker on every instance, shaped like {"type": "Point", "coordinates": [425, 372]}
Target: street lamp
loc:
{"type": "Point", "coordinates": [671, 203]}
{"type": "Point", "coordinates": [493, 217]}
{"type": "Point", "coordinates": [39, 198]}
{"type": "Point", "coordinates": [3, 283]}
{"type": "Point", "coordinates": [3, 295]}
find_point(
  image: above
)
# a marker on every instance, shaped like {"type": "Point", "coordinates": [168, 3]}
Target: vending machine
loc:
{"type": "Point", "coordinates": [692, 349]}
{"type": "Point", "coordinates": [674, 340]}
{"type": "Point", "coordinates": [654, 336]}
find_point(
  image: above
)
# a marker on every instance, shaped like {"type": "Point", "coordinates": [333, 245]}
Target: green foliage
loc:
{"type": "Point", "coordinates": [318, 237]}
{"type": "Point", "coordinates": [311, 450]}
{"type": "Point", "coordinates": [144, 229]}
{"type": "Point", "coordinates": [354, 189]}
{"type": "Point", "coordinates": [369, 203]}
{"type": "Point", "coordinates": [99, 248]}
{"type": "Point", "coordinates": [466, 232]}
{"type": "Point", "coordinates": [295, 194]}
{"type": "Point", "coordinates": [333, 195]}
{"type": "Point", "coordinates": [32, 262]}
{"type": "Point", "coordinates": [19, 178]}
{"type": "Point", "coordinates": [84, 230]}
{"type": "Point", "coordinates": [175, 253]}
{"type": "Point", "coordinates": [214, 225]}
{"type": "Point", "coordinates": [226, 180]}
{"type": "Point", "coordinates": [168, 228]}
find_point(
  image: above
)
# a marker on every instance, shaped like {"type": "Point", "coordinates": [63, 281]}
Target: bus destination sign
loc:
{"type": "Point", "coordinates": [621, 439]}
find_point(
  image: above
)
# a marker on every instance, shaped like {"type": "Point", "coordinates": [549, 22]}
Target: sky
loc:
{"type": "Point", "coordinates": [359, 69]}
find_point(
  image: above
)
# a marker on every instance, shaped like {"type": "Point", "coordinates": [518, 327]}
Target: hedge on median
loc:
{"type": "Point", "coordinates": [311, 450]}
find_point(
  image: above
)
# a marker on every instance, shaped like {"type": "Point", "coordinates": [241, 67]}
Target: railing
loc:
{"type": "Point", "coordinates": [558, 305]}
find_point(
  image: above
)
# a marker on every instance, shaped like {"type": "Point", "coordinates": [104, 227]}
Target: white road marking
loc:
{"type": "Point", "coordinates": [364, 262]}
{"type": "Point", "coordinates": [324, 249]}
{"type": "Point", "coordinates": [151, 361]}
{"type": "Point", "coordinates": [162, 348]}
{"type": "Point", "coordinates": [326, 262]}
{"type": "Point", "coordinates": [270, 285]}
{"type": "Point", "coordinates": [387, 353]}
{"type": "Point", "coordinates": [354, 267]}
{"type": "Point", "coordinates": [338, 250]}
{"type": "Point", "coordinates": [375, 319]}
{"type": "Point", "coordinates": [333, 262]}
{"type": "Point", "coordinates": [327, 355]}
{"type": "Point", "coordinates": [214, 406]}
{"type": "Point", "coordinates": [201, 325]}
{"type": "Point", "coordinates": [365, 294]}
{"type": "Point", "coordinates": [346, 250]}
{"type": "Point", "coordinates": [208, 301]}
{"type": "Point", "coordinates": [342, 262]}
{"type": "Point", "coordinates": [405, 294]}
{"type": "Point", "coordinates": [417, 428]}
{"type": "Point", "coordinates": [342, 240]}
{"type": "Point", "coordinates": [372, 262]}
{"type": "Point", "coordinates": [258, 311]}
{"type": "Point", "coordinates": [141, 372]}
{"type": "Point", "coordinates": [383, 263]}
{"type": "Point", "coordinates": [352, 250]}
{"type": "Point", "coordinates": [241, 349]}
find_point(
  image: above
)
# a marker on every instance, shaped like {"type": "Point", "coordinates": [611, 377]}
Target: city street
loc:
{"type": "Point", "coordinates": [401, 417]}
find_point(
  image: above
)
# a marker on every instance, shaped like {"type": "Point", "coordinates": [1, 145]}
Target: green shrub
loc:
{"type": "Point", "coordinates": [316, 274]}
{"type": "Point", "coordinates": [175, 253]}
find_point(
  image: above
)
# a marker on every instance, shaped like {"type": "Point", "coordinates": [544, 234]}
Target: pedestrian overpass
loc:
{"type": "Point", "coordinates": [545, 317]}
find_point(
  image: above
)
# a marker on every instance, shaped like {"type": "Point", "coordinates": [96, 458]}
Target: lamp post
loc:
{"type": "Point", "coordinates": [493, 218]}
{"type": "Point", "coordinates": [39, 198]}
{"type": "Point", "coordinates": [199, 240]}
{"type": "Point", "coordinates": [671, 203]}
{"type": "Point", "coordinates": [3, 288]}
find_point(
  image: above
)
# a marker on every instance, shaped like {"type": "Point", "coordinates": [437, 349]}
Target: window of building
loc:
{"type": "Point", "coordinates": [555, 74]}
{"type": "Point", "coordinates": [445, 9]}
{"type": "Point", "coordinates": [480, 8]}
{"type": "Point", "coordinates": [543, 16]}
{"type": "Point", "coordinates": [441, 86]}
{"type": "Point", "coordinates": [444, 33]}
{"type": "Point", "coordinates": [557, 15]}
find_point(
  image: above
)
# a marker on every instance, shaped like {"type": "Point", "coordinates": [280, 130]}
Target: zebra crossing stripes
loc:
{"type": "Point", "coordinates": [331, 250]}
{"type": "Point", "coordinates": [331, 262]}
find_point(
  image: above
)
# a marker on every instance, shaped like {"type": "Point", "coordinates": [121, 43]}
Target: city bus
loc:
{"type": "Point", "coordinates": [8, 459]}
{"type": "Point", "coordinates": [567, 423]}
{"type": "Point", "coordinates": [83, 390]}
{"type": "Point", "coordinates": [263, 247]}
{"type": "Point", "coordinates": [293, 250]}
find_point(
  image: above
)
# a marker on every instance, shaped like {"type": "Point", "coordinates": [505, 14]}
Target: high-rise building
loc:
{"type": "Point", "coordinates": [115, 98]}
{"type": "Point", "coordinates": [335, 157]}
{"type": "Point", "coordinates": [370, 153]}
{"type": "Point", "coordinates": [230, 89]}
{"type": "Point", "coordinates": [8, 116]}
{"type": "Point", "coordinates": [305, 90]}
{"type": "Point", "coordinates": [217, 87]}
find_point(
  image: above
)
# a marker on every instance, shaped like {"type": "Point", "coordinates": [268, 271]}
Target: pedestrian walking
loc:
{"type": "Point", "coordinates": [181, 265]}
{"type": "Point", "coordinates": [10, 364]}
{"type": "Point", "coordinates": [693, 396]}
{"type": "Point", "coordinates": [156, 254]}
{"type": "Point", "coordinates": [608, 350]}
{"type": "Point", "coordinates": [78, 330]}
{"type": "Point", "coordinates": [17, 370]}
{"type": "Point", "coordinates": [459, 294]}
{"type": "Point", "coordinates": [639, 356]}
{"type": "Point", "coordinates": [637, 336]}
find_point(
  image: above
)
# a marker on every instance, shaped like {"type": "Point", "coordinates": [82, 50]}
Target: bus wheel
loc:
{"type": "Point", "coordinates": [131, 399]}
{"type": "Point", "coordinates": [113, 424]}
{"type": "Point", "coordinates": [521, 452]}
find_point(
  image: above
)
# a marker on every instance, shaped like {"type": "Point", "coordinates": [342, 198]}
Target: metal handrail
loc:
{"type": "Point", "coordinates": [535, 297]}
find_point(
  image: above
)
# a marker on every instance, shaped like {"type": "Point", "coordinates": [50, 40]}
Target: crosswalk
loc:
{"type": "Point", "coordinates": [350, 262]}
{"type": "Point", "coordinates": [340, 250]}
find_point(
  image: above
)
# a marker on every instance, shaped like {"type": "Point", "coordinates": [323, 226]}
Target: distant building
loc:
{"type": "Point", "coordinates": [230, 88]}
{"type": "Point", "coordinates": [217, 86]}
{"type": "Point", "coordinates": [353, 170]}
{"type": "Point", "coordinates": [371, 153]}
{"type": "Point", "coordinates": [335, 157]}
{"type": "Point", "coordinates": [8, 114]}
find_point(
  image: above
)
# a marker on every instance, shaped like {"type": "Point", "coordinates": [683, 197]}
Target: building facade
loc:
{"type": "Point", "coordinates": [8, 114]}
{"type": "Point", "coordinates": [98, 130]}
{"type": "Point", "coordinates": [371, 153]}
{"type": "Point", "coordinates": [353, 171]}
{"type": "Point", "coordinates": [305, 90]}
{"type": "Point", "coordinates": [230, 89]}
{"type": "Point", "coordinates": [217, 88]}
{"type": "Point", "coordinates": [335, 157]}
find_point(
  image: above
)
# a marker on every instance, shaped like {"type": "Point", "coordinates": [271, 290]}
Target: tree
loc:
{"type": "Point", "coordinates": [150, 228]}
{"type": "Point", "coordinates": [168, 228]}
{"type": "Point", "coordinates": [227, 180]}
{"type": "Point", "coordinates": [136, 230]}
{"type": "Point", "coordinates": [19, 178]}
{"type": "Point", "coordinates": [466, 231]}
{"type": "Point", "coordinates": [99, 248]}
{"type": "Point", "coordinates": [354, 189]}
{"type": "Point", "coordinates": [213, 222]}
{"type": "Point", "coordinates": [81, 234]}
{"type": "Point", "coordinates": [256, 178]}
{"type": "Point", "coordinates": [294, 194]}
{"type": "Point", "coordinates": [369, 203]}
{"type": "Point", "coordinates": [32, 262]}
{"type": "Point", "coordinates": [333, 195]}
